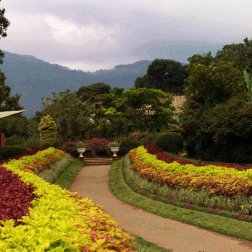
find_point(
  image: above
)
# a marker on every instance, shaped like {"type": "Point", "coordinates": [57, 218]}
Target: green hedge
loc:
{"type": "Point", "coordinates": [170, 142]}
{"type": "Point", "coordinates": [10, 151]}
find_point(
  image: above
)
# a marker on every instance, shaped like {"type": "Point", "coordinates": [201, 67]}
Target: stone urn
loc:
{"type": "Point", "coordinates": [114, 149]}
{"type": "Point", "coordinates": [81, 151]}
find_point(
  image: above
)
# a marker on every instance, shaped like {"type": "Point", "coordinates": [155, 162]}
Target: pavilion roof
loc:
{"type": "Point", "coordinates": [9, 113]}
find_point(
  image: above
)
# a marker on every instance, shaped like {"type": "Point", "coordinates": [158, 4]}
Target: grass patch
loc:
{"type": "Point", "coordinates": [66, 178]}
{"type": "Point", "coordinates": [220, 224]}
{"type": "Point", "coordinates": [145, 246]}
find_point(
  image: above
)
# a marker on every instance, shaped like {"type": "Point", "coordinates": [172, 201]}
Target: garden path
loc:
{"type": "Point", "coordinates": [92, 182]}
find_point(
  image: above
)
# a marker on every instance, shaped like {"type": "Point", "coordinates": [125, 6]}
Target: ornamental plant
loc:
{"type": "Point", "coordinates": [214, 179]}
{"type": "Point", "coordinates": [57, 220]}
{"type": "Point", "coordinates": [98, 145]}
{"type": "Point", "coordinates": [47, 131]}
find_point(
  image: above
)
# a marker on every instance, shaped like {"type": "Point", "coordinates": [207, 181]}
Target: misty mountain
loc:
{"type": "Point", "coordinates": [34, 78]}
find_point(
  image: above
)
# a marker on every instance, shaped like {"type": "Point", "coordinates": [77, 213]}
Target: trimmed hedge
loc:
{"type": "Point", "coordinates": [10, 151]}
{"type": "Point", "coordinates": [170, 142]}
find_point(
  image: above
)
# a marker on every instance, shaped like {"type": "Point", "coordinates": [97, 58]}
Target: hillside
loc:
{"type": "Point", "coordinates": [34, 78]}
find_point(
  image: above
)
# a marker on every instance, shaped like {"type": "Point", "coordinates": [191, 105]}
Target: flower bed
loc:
{"type": "Point", "coordinates": [38, 162]}
{"type": "Point", "coordinates": [214, 179]}
{"type": "Point", "coordinates": [15, 196]}
{"type": "Point", "coordinates": [58, 220]}
{"type": "Point", "coordinates": [161, 155]}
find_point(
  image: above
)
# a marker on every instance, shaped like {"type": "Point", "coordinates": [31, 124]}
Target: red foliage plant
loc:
{"type": "Point", "coordinates": [98, 145]}
{"type": "Point", "coordinates": [15, 196]}
{"type": "Point", "coordinates": [161, 155]}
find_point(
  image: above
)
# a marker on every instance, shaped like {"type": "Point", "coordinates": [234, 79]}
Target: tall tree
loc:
{"type": "Point", "coordinates": [167, 75]}
{"type": "Point", "coordinates": [73, 117]}
{"type": "Point", "coordinates": [240, 54]}
{"type": "Point", "coordinates": [7, 102]}
{"type": "Point", "coordinates": [4, 23]}
{"type": "Point", "coordinates": [217, 114]}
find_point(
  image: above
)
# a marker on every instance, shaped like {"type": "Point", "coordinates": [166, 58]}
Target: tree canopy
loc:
{"type": "Point", "coordinates": [167, 75]}
{"type": "Point", "coordinates": [101, 110]}
{"type": "Point", "coordinates": [217, 114]}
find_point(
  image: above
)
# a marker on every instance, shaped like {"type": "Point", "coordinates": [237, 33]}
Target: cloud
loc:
{"type": "Point", "coordinates": [94, 34]}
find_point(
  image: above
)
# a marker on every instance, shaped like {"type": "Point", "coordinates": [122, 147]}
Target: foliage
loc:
{"type": "Point", "coordinates": [98, 146]}
{"type": "Point", "coordinates": [215, 180]}
{"type": "Point", "coordinates": [39, 161]}
{"type": "Point", "coordinates": [48, 131]}
{"type": "Point", "coordinates": [70, 148]}
{"type": "Point", "coordinates": [15, 196]}
{"type": "Point", "coordinates": [240, 54]}
{"type": "Point", "coordinates": [66, 178]}
{"type": "Point", "coordinates": [32, 142]}
{"type": "Point", "coordinates": [10, 151]}
{"type": "Point", "coordinates": [56, 168]}
{"type": "Point", "coordinates": [217, 114]}
{"type": "Point", "coordinates": [248, 82]}
{"type": "Point", "coordinates": [73, 117]}
{"type": "Point", "coordinates": [4, 23]}
{"type": "Point", "coordinates": [128, 143]}
{"type": "Point", "coordinates": [59, 220]}
{"type": "Point", "coordinates": [15, 140]}
{"type": "Point", "coordinates": [167, 75]}
{"type": "Point", "coordinates": [7, 102]}
{"type": "Point", "coordinates": [80, 144]}
{"type": "Point", "coordinates": [170, 142]}
{"type": "Point", "coordinates": [143, 109]}
{"type": "Point", "coordinates": [168, 158]}
{"type": "Point", "coordinates": [216, 223]}
{"type": "Point", "coordinates": [89, 92]}
{"type": "Point", "coordinates": [238, 207]}
{"type": "Point", "coordinates": [109, 112]}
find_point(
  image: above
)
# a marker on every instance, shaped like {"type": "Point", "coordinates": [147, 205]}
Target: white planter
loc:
{"type": "Point", "coordinates": [115, 150]}
{"type": "Point", "coordinates": [81, 151]}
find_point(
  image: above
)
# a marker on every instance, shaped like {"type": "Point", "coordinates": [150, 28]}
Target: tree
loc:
{"type": "Point", "coordinates": [143, 109]}
{"type": "Point", "coordinates": [167, 75]}
{"type": "Point", "coordinates": [204, 59]}
{"type": "Point", "coordinates": [73, 117]}
{"type": "Point", "coordinates": [217, 115]}
{"type": "Point", "coordinates": [48, 131]}
{"type": "Point", "coordinates": [208, 85]}
{"type": "Point", "coordinates": [88, 92]}
{"type": "Point", "coordinates": [240, 54]}
{"type": "Point", "coordinates": [4, 23]}
{"type": "Point", "coordinates": [7, 102]}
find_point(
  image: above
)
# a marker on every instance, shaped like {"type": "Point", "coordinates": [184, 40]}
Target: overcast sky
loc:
{"type": "Point", "coordinates": [95, 34]}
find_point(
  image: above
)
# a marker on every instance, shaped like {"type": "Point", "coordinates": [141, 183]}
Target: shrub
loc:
{"type": "Point", "coordinates": [128, 143]}
{"type": "Point", "coordinates": [10, 151]}
{"type": "Point", "coordinates": [15, 140]}
{"type": "Point", "coordinates": [170, 142]}
{"type": "Point", "coordinates": [32, 142]}
{"type": "Point", "coordinates": [70, 148]}
{"type": "Point", "coordinates": [98, 145]}
{"type": "Point", "coordinates": [149, 137]}
{"type": "Point", "coordinates": [48, 131]}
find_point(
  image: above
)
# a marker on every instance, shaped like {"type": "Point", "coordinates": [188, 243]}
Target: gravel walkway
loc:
{"type": "Point", "coordinates": [92, 182]}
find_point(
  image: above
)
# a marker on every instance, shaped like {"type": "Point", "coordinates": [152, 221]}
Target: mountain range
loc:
{"type": "Point", "coordinates": [34, 78]}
